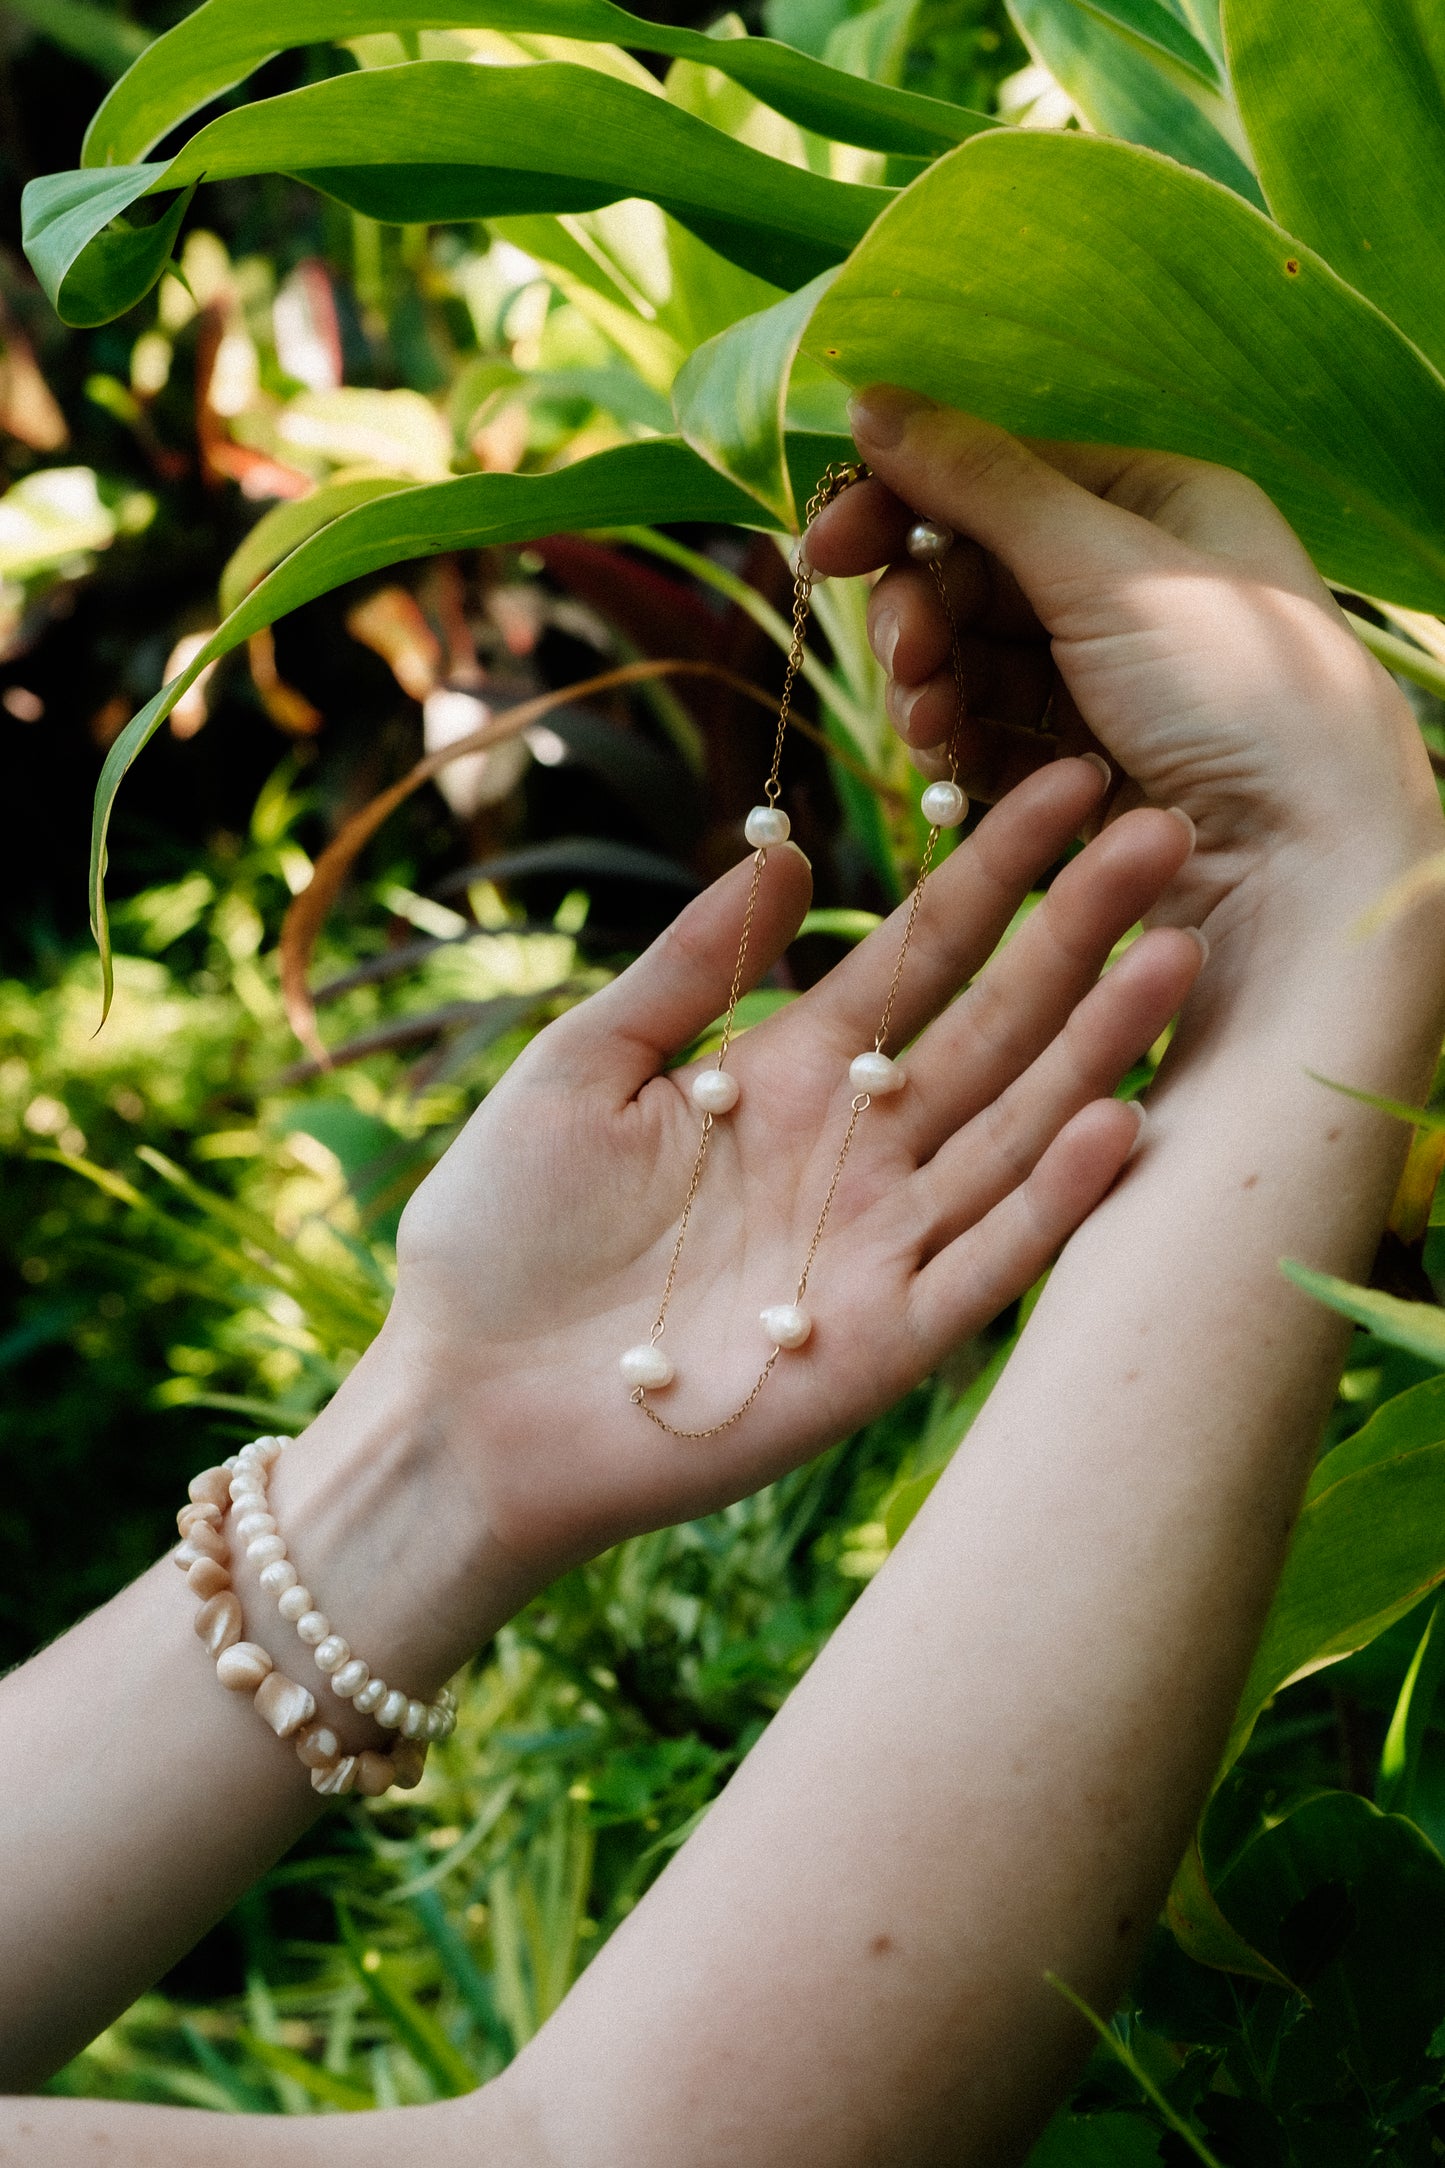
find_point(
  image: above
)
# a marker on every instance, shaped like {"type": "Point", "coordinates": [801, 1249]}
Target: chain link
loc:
{"type": "Point", "coordinates": [840, 476]}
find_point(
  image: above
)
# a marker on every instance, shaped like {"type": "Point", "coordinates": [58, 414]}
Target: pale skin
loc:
{"type": "Point", "coordinates": [992, 1768]}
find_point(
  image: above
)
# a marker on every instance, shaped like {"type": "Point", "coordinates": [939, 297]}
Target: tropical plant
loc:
{"type": "Point", "coordinates": [1220, 262]}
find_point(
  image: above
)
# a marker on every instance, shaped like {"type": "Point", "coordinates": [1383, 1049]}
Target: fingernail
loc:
{"type": "Point", "coordinates": [1141, 1112]}
{"type": "Point", "coordinates": [800, 560]}
{"type": "Point", "coordinates": [1097, 760]}
{"type": "Point", "coordinates": [900, 701]}
{"type": "Point", "coordinates": [882, 412]}
{"type": "Point", "coordinates": [1195, 934]}
{"type": "Point", "coordinates": [790, 845]}
{"type": "Point", "coordinates": [1179, 814]}
{"type": "Point", "coordinates": [885, 636]}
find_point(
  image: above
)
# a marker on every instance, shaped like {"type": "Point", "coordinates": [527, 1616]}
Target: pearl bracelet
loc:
{"type": "Point", "coordinates": [350, 1679]}
{"type": "Point", "coordinates": [243, 1666]}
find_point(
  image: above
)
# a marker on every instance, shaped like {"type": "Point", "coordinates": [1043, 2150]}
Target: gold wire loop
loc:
{"type": "Point", "coordinates": [838, 477]}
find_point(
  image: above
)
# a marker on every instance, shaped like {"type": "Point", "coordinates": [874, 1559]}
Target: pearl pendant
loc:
{"type": "Point", "coordinates": [714, 1091]}
{"type": "Point", "coordinates": [943, 805]}
{"type": "Point", "coordinates": [928, 540]}
{"type": "Point", "coordinates": [767, 824]}
{"type": "Point", "coordinates": [785, 1324]}
{"type": "Point", "coordinates": [646, 1365]}
{"type": "Point", "coordinates": [875, 1074]}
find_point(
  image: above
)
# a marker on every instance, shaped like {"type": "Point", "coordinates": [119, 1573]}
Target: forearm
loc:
{"type": "Point", "coordinates": [147, 1797]}
{"type": "Point", "coordinates": [991, 1771]}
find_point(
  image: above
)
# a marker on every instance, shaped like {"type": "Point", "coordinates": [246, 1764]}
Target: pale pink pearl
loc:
{"type": "Point", "coordinates": [284, 1705]}
{"type": "Point", "coordinates": [294, 1602]}
{"type": "Point", "coordinates": [375, 1774]}
{"type": "Point", "coordinates": [318, 1747]}
{"type": "Point", "coordinates": [338, 1778]}
{"type": "Point", "coordinates": [243, 1666]}
{"type": "Point", "coordinates": [312, 1628]}
{"type": "Point", "coordinates": [212, 1487]}
{"type": "Point", "coordinates": [219, 1622]}
{"type": "Point", "coordinates": [207, 1578]}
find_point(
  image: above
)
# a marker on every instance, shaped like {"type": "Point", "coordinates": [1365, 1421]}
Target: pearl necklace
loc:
{"type": "Point", "coordinates": [873, 1074]}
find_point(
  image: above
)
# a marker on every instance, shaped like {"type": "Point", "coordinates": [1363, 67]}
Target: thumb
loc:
{"type": "Point", "coordinates": [1049, 531]}
{"type": "Point", "coordinates": [681, 984]}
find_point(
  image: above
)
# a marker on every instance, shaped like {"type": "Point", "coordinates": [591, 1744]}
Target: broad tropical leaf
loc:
{"type": "Point", "coordinates": [224, 41]}
{"type": "Point", "coordinates": [1095, 292]}
{"type": "Point", "coordinates": [1130, 77]}
{"type": "Point", "coordinates": [1338, 1592]}
{"type": "Point", "coordinates": [638, 483]}
{"type": "Point", "coordinates": [730, 398]}
{"type": "Point", "coordinates": [1349, 134]}
{"type": "Point", "coordinates": [403, 144]}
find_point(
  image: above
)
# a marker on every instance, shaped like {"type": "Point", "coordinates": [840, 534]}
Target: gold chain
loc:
{"type": "Point", "coordinates": [838, 477]}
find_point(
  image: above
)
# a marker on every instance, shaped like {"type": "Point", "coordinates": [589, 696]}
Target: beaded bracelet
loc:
{"type": "Point", "coordinates": [351, 1679]}
{"type": "Point", "coordinates": [243, 1666]}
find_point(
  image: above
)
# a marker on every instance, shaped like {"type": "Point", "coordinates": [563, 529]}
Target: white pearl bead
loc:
{"type": "Point", "coordinates": [785, 1324]}
{"type": "Point", "coordinates": [929, 539]}
{"type": "Point", "coordinates": [392, 1710]}
{"type": "Point", "coordinates": [262, 1549]}
{"type": "Point", "coordinates": [278, 1577]}
{"type": "Point", "coordinates": [436, 1722]}
{"type": "Point", "coordinates": [371, 1696]}
{"type": "Point", "coordinates": [714, 1091]}
{"type": "Point", "coordinates": [876, 1074]}
{"type": "Point", "coordinates": [413, 1724]}
{"type": "Point", "coordinates": [332, 1653]}
{"type": "Point", "coordinates": [349, 1678]}
{"type": "Point", "coordinates": [313, 1627]}
{"type": "Point", "coordinates": [255, 1524]}
{"type": "Point", "coordinates": [247, 1494]}
{"type": "Point", "coordinates": [645, 1365]}
{"type": "Point", "coordinates": [767, 824]}
{"type": "Point", "coordinates": [294, 1602]}
{"type": "Point", "coordinates": [943, 805]}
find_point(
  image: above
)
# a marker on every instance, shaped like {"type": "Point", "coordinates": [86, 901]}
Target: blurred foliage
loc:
{"type": "Point", "coordinates": [196, 1224]}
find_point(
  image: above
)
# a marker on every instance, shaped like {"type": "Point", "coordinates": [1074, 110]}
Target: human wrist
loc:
{"type": "Point", "coordinates": [380, 1531]}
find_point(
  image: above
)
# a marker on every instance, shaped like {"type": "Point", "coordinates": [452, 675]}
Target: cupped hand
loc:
{"type": "Point", "coordinates": [1146, 603]}
{"type": "Point", "coordinates": [537, 1250]}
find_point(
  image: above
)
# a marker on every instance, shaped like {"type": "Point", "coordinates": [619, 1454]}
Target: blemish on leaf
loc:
{"type": "Point", "coordinates": [831, 352]}
{"type": "Point", "coordinates": [1291, 264]}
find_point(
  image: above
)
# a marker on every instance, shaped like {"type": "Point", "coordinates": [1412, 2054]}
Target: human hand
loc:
{"type": "Point", "coordinates": [537, 1251]}
{"type": "Point", "coordinates": [1151, 604]}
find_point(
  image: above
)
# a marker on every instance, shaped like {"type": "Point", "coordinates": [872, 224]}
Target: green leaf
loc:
{"type": "Point", "coordinates": [1350, 1902]}
{"type": "Point", "coordinates": [320, 2083]}
{"type": "Point", "coordinates": [1417, 1326]}
{"type": "Point", "coordinates": [1156, 29]}
{"type": "Point", "coordinates": [1126, 84]}
{"type": "Point", "coordinates": [414, 2026]}
{"type": "Point", "coordinates": [1369, 1543]}
{"type": "Point", "coordinates": [82, 266]}
{"type": "Point", "coordinates": [637, 482]}
{"type": "Point", "coordinates": [221, 43]}
{"type": "Point", "coordinates": [730, 398]}
{"type": "Point", "coordinates": [286, 526]}
{"type": "Point", "coordinates": [1400, 1755]}
{"type": "Point", "coordinates": [1200, 1927]}
{"type": "Point", "coordinates": [107, 41]}
{"type": "Point", "coordinates": [405, 145]}
{"type": "Point", "coordinates": [1349, 134]}
{"type": "Point", "coordinates": [1095, 292]}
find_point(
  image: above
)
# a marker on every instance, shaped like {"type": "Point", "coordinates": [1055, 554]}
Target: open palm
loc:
{"type": "Point", "coordinates": [537, 1250]}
